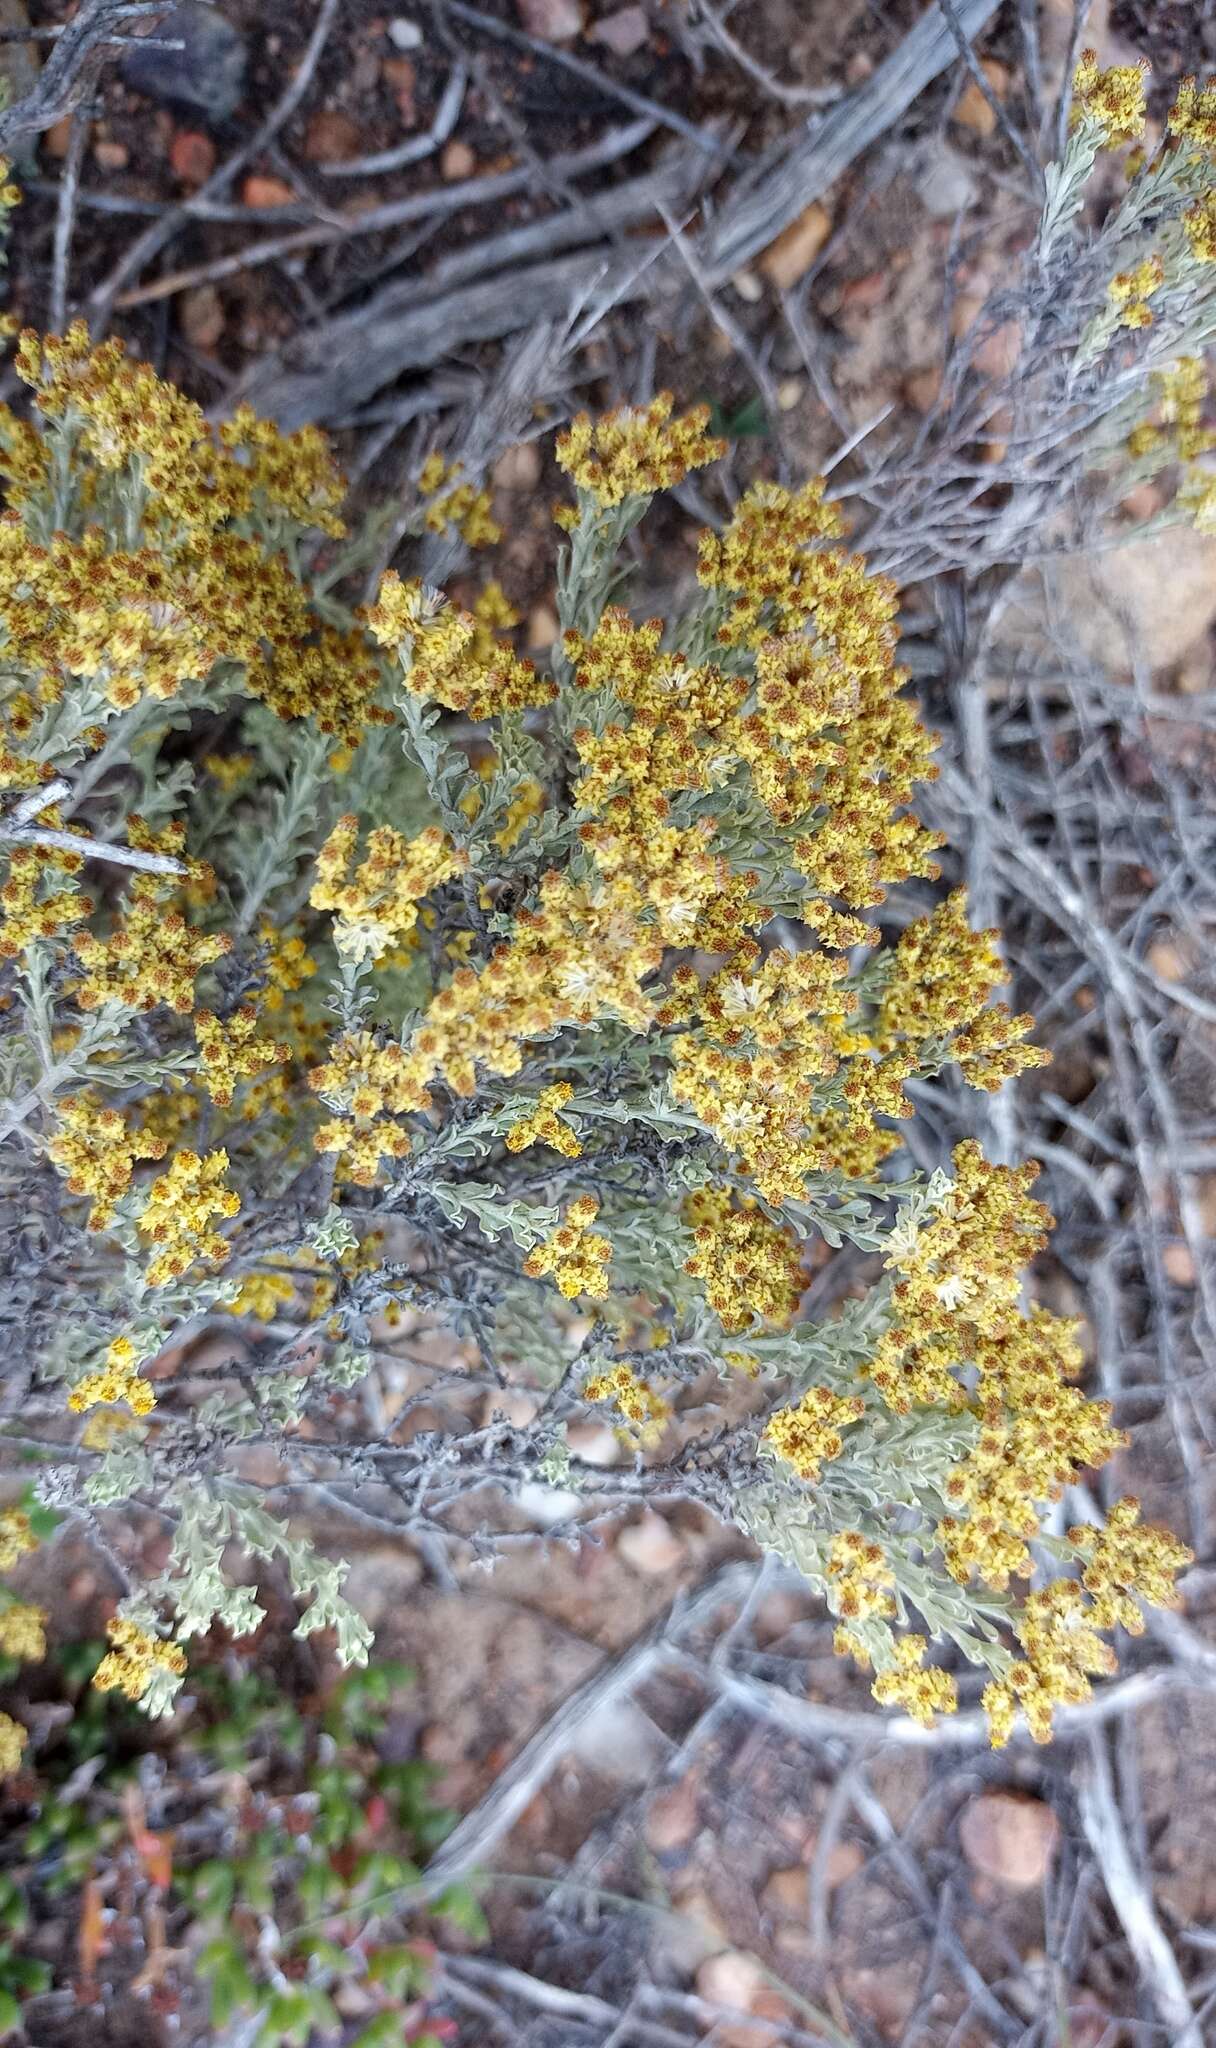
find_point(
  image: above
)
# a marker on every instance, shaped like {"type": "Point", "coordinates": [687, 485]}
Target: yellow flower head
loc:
{"type": "Point", "coordinates": [543, 1126]}
{"type": "Point", "coordinates": [134, 1659]}
{"type": "Point", "coordinates": [16, 1537]}
{"type": "Point", "coordinates": [1131, 291]}
{"type": "Point", "coordinates": [1192, 118]}
{"type": "Point", "coordinates": [23, 1632]}
{"type": "Point", "coordinates": [633, 453]}
{"type": "Point", "coordinates": [376, 902]}
{"type": "Point", "coordinates": [176, 1215]}
{"type": "Point", "coordinates": [13, 1739]}
{"type": "Point", "coordinates": [1114, 98]}
{"type": "Point", "coordinates": [805, 1435]}
{"type": "Point", "coordinates": [576, 1256]}
{"type": "Point", "coordinates": [645, 1411]}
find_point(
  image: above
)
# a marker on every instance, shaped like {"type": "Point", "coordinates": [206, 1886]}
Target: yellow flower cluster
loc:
{"type": "Point", "coordinates": [763, 565]}
{"type": "Point", "coordinates": [635, 452]}
{"type": "Point", "coordinates": [288, 965]}
{"type": "Point", "coordinates": [31, 906]}
{"type": "Point", "coordinates": [141, 620]}
{"type": "Point", "coordinates": [262, 1295]}
{"type": "Point", "coordinates": [1180, 393]}
{"type": "Point", "coordinates": [134, 1659]}
{"type": "Point", "coordinates": [450, 656]}
{"type": "Point", "coordinates": [1035, 1436]}
{"type": "Point", "coordinates": [105, 1427]}
{"type": "Point", "coordinates": [543, 1126]}
{"type": "Point", "coordinates": [149, 956]}
{"type": "Point", "coordinates": [456, 504]}
{"type": "Point", "coordinates": [13, 1739]}
{"type": "Point", "coordinates": [1128, 1562]}
{"type": "Point", "coordinates": [808, 1432]}
{"type": "Point", "coordinates": [230, 1052]}
{"type": "Point", "coordinates": [176, 1215]}
{"type": "Point", "coordinates": [1114, 98]}
{"type": "Point", "coordinates": [1199, 226]}
{"type": "Point", "coordinates": [377, 902]}
{"type": "Point", "coordinates": [767, 1035]}
{"type": "Point", "coordinates": [368, 1084]}
{"type": "Point", "coordinates": [859, 1584]}
{"type": "Point", "coordinates": [581, 954]}
{"type": "Point", "coordinates": [960, 1279]}
{"type": "Point", "coordinates": [942, 978]}
{"type": "Point", "coordinates": [125, 413]}
{"type": "Point", "coordinates": [23, 1632]}
{"type": "Point", "coordinates": [646, 1412]}
{"type": "Point", "coordinates": [117, 1380]}
{"type": "Point", "coordinates": [295, 474]}
{"type": "Point", "coordinates": [97, 1151]}
{"type": "Point", "coordinates": [1192, 118]}
{"type": "Point", "coordinates": [1130, 291]}
{"type": "Point", "coordinates": [749, 1266]}
{"type": "Point", "coordinates": [921, 1692]}
{"type": "Point", "coordinates": [16, 1537]}
{"type": "Point", "coordinates": [576, 1256]}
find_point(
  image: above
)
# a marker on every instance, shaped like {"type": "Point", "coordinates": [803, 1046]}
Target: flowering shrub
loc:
{"type": "Point", "coordinates": [357, 969]}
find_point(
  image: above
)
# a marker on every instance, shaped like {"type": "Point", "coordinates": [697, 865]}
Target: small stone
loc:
{"type": "Point", "coordinates": [201, 316]}
{"type": "Point", "coordinates": [672, 1818]}
{"type": "Point", "coordinates": [1143, 501]}
{"type": "Point", "coordinates": [1167, 960]}
{"type": "Point", "coordinates": [946, 186]}
{"type": "Point", "coordinates": [518, 468]}
{"type": "Point", "coordinates": [1194, 674]}
{"type": "Point", "coordinates": [862, 294]}
{"type": "Point", "coordinates": [207, 73]}
{"type": "Point", "coordinates": [790, 392]}
{"type": "Point", "coordinates": [111, 156]}
{"type": "Point", "coordinates": [457, 161]}
{"type": "Point", "coordinates": [404, 34]}
{"type": "Point", "coordinates": [545, 1506]}
{"type": "Point", "coordinates": [648, 1546]}
{"type": "Point", "coordinates": [555, 21]}
{"type": "Point", "coordinates": [974, 110]}
{"type": "Point", "coordinates": [732, 1979]}
{"type": "Point", "coordinates": [1009, 1838]}
{"type": "Point", "coordinates": [845, 1859]}
{"type": "Point", "coordinates": [786, 1895]}
{"type": "Point", "coordinates": [192, 156]}
{"type": "Point", "coordinates": [401, 78]}
{"type": "Point", "coordinates": [543, 627]}
{"type": "Point", "coordinates": [1178, 1262]}
{"type": "Point", "coordinates": [259, 191]}
{"type": "Point", "coordinates": [923, 388]}
{"type": "Point", "coordinates": [57, 140]}
{"type": "Point", "coordinates": [859, 68]}
{"type": "Point", "coordinates": [332, 137]}
{"type": "Point", "coordinates": [998, 352]}
{"type": "Point", "coordinates": [968, 306]}
{"type": "Point", "coordinates": [365, 73]}
{"type": "Point", "coordinates": [623, 33]}
{"type": "Point", "coordinates": [594, 1443]}
{"type": "Point", "coordinates": [748, 286]}
{"type": "Point", "coordinates": [788, 259]}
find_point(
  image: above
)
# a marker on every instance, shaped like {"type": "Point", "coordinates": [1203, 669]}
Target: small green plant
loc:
{"type": "Point", "coordinates": [264, 1864]}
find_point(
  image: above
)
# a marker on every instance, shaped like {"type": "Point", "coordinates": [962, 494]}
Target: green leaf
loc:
{"type": "Point", "coordinates": [403, 1971]}
{"type": "Point", "coordinates": [232, 1988]}
{"type": "Point", "coordinates": [748, 422]}
{"type": "Point", "coordinates": [382, 2032]}
{"type": "Point", "coordinates": [462, 1907]}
